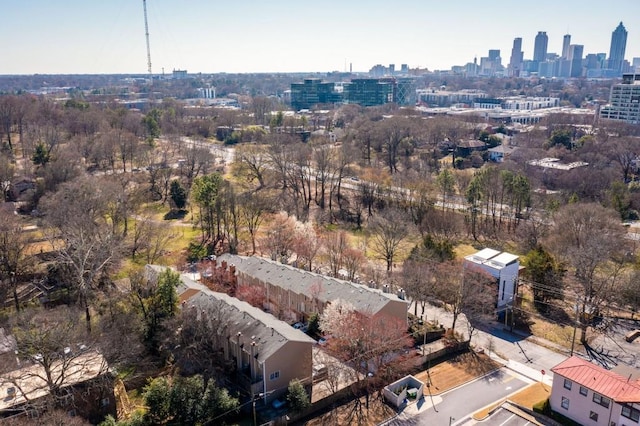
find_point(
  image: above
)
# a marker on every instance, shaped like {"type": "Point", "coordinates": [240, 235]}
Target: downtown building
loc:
{"type": "Point", "coordinates": [365, 92]}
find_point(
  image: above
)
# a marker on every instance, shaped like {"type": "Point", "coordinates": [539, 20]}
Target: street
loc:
{"type": "Point", "coordinates": [455, 406]}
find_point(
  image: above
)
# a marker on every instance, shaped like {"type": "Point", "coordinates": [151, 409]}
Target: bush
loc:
{"type": "Point", "coordinates": [542, 407]}
{"type": "Point", "coordinates": [297, 397]}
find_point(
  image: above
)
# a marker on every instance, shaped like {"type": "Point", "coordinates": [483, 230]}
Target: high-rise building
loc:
{"type": "Point", "coordinates": [515, 62]}
{"type": "Point", "coordinates": [618, 46]}
{"type": "Point", "coordinates": [566, 42]}
{"type": "Point", "coordinates": [540, 47]}
{"type": "Point", "coordinates": [624, 102]}
{"type": "Point", "coordinates": [575, 57]}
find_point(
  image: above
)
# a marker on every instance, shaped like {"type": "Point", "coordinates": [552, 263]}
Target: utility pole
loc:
{"type": "Point", "coordinates": [575, 327]}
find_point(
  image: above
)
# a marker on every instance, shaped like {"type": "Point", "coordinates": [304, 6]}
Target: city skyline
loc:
{"type": "Point", "coordinates": [75, 37]}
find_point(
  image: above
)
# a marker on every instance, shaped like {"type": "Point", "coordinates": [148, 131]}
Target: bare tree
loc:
{"type": "Point", "coordinates": [7, 171]}
{"type": "Point", "coordinates": [253, 164]}
{"type": "Point", "coordinates": [389, 230]}
{"type": "Point", "coordinates": [81, 234]}
{"type": "Point", "coordinates": [352, 260]}
{"type": "Point", "coordinates": [14, 262]}
{"type": "Point", "coordinates": [280, 236]}
{"type": "Point", "coordinates": [418, 281]}
{"type": "Point", "coordinates": [465, 289]}
{"type": "Point", "coordinates": [336, 244]}
{"type": "Point", "coordinates": [306, 244]}
{"type": "Point", "coordinates": [589, 238]}
{"type": "Point", "coordinates": [252, 210]}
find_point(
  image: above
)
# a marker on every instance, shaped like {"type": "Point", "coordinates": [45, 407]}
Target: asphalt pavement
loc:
{"type": "Point", "coordinates": [455, 407]}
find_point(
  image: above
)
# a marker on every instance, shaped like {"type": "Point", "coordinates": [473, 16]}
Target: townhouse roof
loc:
{"type": "Point", "coordinates": [605, 382]}
{"type": "Point", "coordinates": [364, 299]}
{"type": "Point", "coordinates": [255, 325]}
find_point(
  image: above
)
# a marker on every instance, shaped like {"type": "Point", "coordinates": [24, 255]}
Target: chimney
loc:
{"type": "Point", "coordinates": [401, 294]}
{"type": "Point", "coordinates": [233, 279]}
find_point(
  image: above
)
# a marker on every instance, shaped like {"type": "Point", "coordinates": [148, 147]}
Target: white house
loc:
{"type": "Point", "coordinates": [503, 267]}
{"type": "Point", "coordinates": [500, 152]}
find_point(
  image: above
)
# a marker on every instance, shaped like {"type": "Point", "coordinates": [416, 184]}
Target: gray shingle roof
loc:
{"type": "Point", "coordinates": [269, 333]}
{"type": "Point", "coordinates": [364, 299]}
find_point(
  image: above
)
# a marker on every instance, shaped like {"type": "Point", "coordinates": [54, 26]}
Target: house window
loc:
{"type": "Point", "coordinates": [565, 403]}
{"type": "Point", "coordinates": [593, 416]}
{"type": "Point", "coordinates": [583, 391]}
{"type": "Point", "coordinates": [601, 400]}
{"type": "Point", "coordinates": [274, 375]}
{"type": "Point", "coordinates": [567, 384]}
{"type": "Point", "coordinates": [631, 413]}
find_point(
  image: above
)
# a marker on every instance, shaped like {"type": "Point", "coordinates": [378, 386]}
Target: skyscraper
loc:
{"type": "Point", "coordinates": [540, 47]}
{"type": "Point", "coordinates": [618, 46]}
{"type": "Point", "coordinates": [575, 57]}
{"type": "Point", "coordinates": [515, 62]}
{"type": "Point", "coordinates": [566, 42]}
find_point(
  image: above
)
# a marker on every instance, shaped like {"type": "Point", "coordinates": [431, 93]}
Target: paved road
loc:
{"type": "Point", "coordinates": [460, 403]}
{"type": "Point", "coordinates": [520, 353]}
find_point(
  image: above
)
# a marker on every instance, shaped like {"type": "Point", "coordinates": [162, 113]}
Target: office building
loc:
{"type": "Point", "coordinates": [624, 102]}
{"type": "Point", "coordinates": [540, 48]}
{"type": "Point", "coordinates": [312, 92]}
{"type": "Point", "coordinates": [369, 92]}
{"type": "Point", "coordinates": [515, 62]}
{"type": "Point", "coordinates": [575, 58]}
{"type": "Point", "coordinates": [566, 42]}
{"type": "Point", "coordinates": [617, 49]}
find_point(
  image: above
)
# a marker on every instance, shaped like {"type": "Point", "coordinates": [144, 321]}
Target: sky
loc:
{"type": "Point", "coordinates": [247, 36]}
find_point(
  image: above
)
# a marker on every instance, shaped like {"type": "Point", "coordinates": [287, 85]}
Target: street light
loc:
{"type": "Point", "coordinates": [451, 419]}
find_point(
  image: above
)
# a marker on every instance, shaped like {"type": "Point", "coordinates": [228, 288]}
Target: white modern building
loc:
{"type": "Point", "coordinates": [504, 267]}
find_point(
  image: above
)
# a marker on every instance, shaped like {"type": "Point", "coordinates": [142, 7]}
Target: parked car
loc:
{"type": "Point", "coordinates": [300, 326]}
{"type": "Point", "coordinates": [278, 403]}
{"type": "Point", "coordinates": [323, 340]}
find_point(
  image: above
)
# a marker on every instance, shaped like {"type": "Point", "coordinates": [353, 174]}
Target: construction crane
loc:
{"type": "Point", "coordinates": [146, 33]}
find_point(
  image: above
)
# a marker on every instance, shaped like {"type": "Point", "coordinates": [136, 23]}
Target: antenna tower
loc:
{"type": "Point", "coordinates": [146, 33]}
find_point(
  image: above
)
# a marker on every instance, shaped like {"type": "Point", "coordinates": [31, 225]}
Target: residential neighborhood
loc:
{"type": "Point", "coordinates": [319, 216]}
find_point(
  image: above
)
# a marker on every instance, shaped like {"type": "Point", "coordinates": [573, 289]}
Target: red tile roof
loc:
{"type": "Point", "coordinates": [599, 380]}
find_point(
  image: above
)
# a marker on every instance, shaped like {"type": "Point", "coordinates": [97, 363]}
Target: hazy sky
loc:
{"type": "Point", "coordinates": [108, 36]}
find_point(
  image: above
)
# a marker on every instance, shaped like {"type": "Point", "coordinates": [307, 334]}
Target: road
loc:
{"type": "Point", "coordinates": [456, 406]}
